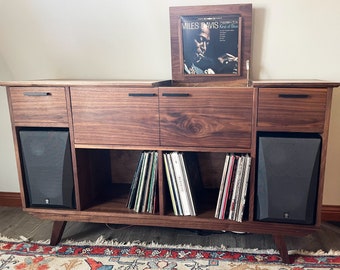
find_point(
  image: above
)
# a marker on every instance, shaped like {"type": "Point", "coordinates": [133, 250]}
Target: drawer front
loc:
{"type": "Point", "coordinates": [34, 105]}
{"type": "Point", "coordinates": [292, 109]}
{"type": "Point", "coordinates": [115, 116]}
{"type": "Point", "coordinates": [209, 117]}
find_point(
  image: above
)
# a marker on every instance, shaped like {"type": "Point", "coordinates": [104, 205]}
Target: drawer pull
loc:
{"type": "Point", "coordinates": [293, 96]}
{"type": "Point", "coordinates": [175, 94]}
{"type": "Point", "coordinates": [37, 94]}
{"type": "Point", "coordinates": [142, 94]}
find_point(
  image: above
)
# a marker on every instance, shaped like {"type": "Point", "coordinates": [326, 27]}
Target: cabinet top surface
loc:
{"type": "Point", "coordinates": [295, 83]}
{"type": "Point", "coordinates": [115, 83]}
{"type": "Point", "coordinates": [156, 83]}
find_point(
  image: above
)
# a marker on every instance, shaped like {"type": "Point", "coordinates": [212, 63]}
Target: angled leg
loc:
{"type": "Point", "coordinates": [57, 232]}
{"type": "Point", "coordinates": [282, 247]}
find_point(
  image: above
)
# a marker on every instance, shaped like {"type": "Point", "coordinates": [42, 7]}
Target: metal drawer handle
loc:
{"type": "Point", "coordinates": [142, 94]}
{"type": "Point", "coordinates": [175, 94]}
{"type": "Point", "coordinates": [293, 96]}
{"type": "Point", "coordinates": [37, 94]}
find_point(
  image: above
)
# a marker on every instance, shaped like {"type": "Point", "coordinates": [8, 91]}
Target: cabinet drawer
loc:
{"type": "Point", "coordinates": [116, 116]}
{"type": "Point", "coordinates": [292, 109]}
{"type": "Point", "coordinates": [39, 105]}
{"type": "Point", "coordinates": [210, 117]}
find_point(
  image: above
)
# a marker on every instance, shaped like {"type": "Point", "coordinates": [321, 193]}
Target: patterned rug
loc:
{"type": "Point", "coordinates": [103, 255]}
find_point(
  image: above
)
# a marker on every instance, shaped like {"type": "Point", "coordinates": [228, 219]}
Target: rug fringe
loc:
{"type": "Point", "coordinates": [319, 252]}
{"type": "Point", "coordinates": [22, 239]}
{"type": "Point", "coordinates": [101, 241]}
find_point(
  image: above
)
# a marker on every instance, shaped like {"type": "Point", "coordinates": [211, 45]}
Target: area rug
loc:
{"type": "Point", "coordinates": [104, 255]}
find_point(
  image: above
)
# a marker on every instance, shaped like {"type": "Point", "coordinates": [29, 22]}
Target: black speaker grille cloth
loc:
{"type": "Point", "coordinates": [47, 162]}
{"type": "Point", "coordinates": [287, 176]}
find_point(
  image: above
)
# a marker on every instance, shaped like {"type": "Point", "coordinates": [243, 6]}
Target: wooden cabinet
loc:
{"type": "Point", "coordinates": [111, 123]}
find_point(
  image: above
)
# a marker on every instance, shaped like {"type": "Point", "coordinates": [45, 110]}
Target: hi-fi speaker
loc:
{"type": "Point", "coordinates": [287, 174]}
{"type": "Point", "coordinates": [47, 167]}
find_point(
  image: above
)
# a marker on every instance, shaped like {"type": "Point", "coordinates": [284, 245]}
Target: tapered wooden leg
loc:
{"type": "Point", "coordinates": [282, 247]}
{"type": "Point", "coordinates": [57, 232]}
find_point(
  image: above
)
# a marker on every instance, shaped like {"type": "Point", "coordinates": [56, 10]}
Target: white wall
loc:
{"type": "Point", "coordinates": [8, 172]}
{"type": "Point", "coordinates": [84, 39]}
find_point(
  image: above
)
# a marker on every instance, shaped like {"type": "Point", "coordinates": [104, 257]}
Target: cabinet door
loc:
{"type": "Point", "coordinates": [115, 116]}
{"type": "Point", "coordinates": [39, 106]}
{"type": "Point", "coordinates": [206, 117]}
{"type": "Point", "coordinates": [292, 109]}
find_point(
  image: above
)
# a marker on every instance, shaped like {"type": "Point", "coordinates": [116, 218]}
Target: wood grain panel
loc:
{"type": "Point", "coordinates": [202, 117]}
{"type": "Point", "coordinates": [292, 109]}
{"type": "Point", "coordinates": [116, 116]}
{"type": "Point", "coordinates": [39, 105]}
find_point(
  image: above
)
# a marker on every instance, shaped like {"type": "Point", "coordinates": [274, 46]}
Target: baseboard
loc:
{"type": "Point", "coordinates": [330, 213]}
{"type": "Point", "coordinates": [13, 199]}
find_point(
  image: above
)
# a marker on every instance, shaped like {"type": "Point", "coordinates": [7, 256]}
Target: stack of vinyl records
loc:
{"type": "Point", "coordinates": [233, 188]}
{"type": "Point", "coordinates": [184, 181]}
{"type": "Point", "coordinates": [143, 191]}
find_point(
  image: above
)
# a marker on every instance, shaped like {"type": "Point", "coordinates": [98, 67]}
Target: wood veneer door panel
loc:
{"type": "Point", "coordinates": [206, 117]}
{"type": "Point", "coordinates": [39, 105]}
{"type": "Point", "coordinates": [292, 109]}
{"type": "Point", "coordinates": [115, 116]}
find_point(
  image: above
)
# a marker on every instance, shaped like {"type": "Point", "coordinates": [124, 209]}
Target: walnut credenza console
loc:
{"type": "Point", "coordinates": [109, 123]}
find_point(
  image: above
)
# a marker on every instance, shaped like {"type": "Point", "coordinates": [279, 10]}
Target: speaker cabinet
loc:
{"type": "Point", "coordinates": [287, 176]}
{"type": "Point", "coordinates": [47, 167]}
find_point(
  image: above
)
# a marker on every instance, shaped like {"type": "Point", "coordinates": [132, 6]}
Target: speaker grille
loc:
{"type": "Point", "coordinates": [287, 177]}
{"type": "Point", "coordinates": [47, 167]}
